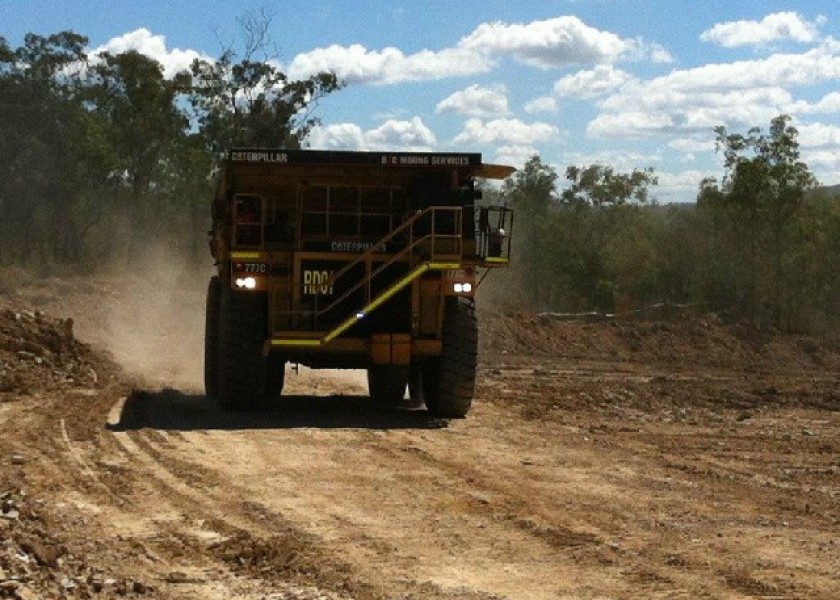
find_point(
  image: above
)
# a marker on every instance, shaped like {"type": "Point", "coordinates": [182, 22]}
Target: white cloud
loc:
{"type": "Point", "coordinates": [405, 135]}
{"type": "Point", "coordinates": [477, 101]}
{"type": "Point", "coordinates": [777, 71]}
{"type": "Point", "coordinates": [740, 93]}
{"type": "Point", "coordinates": [515, 156]}
{"type": "Point", "coordinates": [630, 124]}
{"type": "Point", "coordinates": [545, 104]}
{"type": "Point", "coordinates": [825, 164]}
{"type": "Point", "coordinates": [599, 81]}
{"type": "Point", "coordinates": [774, 27]}
{"type": "Point", "coordinates": [830, 103]}
{"type": "Point", "coordinates": [819, 135]}
{"type": "Point", "coordinates": [658, 54]}
{"type": "Point", "coordinates": [549, 43]}
{"type": "Point", "coordinates": [411, 136]}
{"type": "Point", "coordinates": [679, 186]}
{"type": "Point", "coordinates": [692, 145]}
{"type": "Point", "coordinates": [557, 42]}
{"type": "Point", "coordinates": [154, 46]}
{"type": "Point", "coordinates": [357, 64]}
{"type": "Point", "coordinates": [338, 136]}
{"type": "Point", "coordinates": [505, 132]}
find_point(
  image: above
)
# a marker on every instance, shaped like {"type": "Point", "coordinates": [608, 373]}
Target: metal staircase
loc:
{"type": "Point", "coordinates": [429, 240]}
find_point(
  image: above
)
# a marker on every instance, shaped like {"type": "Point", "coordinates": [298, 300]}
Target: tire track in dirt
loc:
{"type": "Point", "coordinates": [301, 479]}
{"type": "Point", "coordinates": [532, 491]}
{"type": "Point", "coordinates": [302, 475]}
{"type": "Point", "coordinates": [212, 519]}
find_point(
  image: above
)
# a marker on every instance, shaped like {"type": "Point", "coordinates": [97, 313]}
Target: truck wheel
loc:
{"type": "Point", "coordinates": [449, 380]}
{"type": "Point", "coordinates": [242, 330]}
{"type": "Point", "coordinates": [211, 339]}
{"type": "Point", "coordinates": [386, 384]}
{"type": "Point", "coordinates": [275, 376]}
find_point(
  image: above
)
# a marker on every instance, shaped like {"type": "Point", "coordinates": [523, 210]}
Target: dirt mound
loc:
{"type": "Point", "coordinates": [41, 363]}
{"type": "Point", "coordinates": [669, 368]}
{"type": "Point", "coordinates": [35, 561]}
{"type": "Point", "coordinates": [692, 341]}
{"type": "Point", "coordinates": [38, 352]}
{"type": "Point", "coordinates": [151, 322]}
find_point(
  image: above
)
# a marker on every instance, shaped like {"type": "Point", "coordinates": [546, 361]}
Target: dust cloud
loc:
{"type": "Point", "coordinates": [153, 324]}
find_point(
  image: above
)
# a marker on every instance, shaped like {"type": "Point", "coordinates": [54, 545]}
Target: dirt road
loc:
{"type": "Point", "coordinates": [607, 470]}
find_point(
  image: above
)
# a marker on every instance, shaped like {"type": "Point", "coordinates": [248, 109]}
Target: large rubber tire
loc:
{"type": "Point", "coordinates": [386, 384]}
{"type": "Point", "coordinates": [243, 327]}
{"type": "Point", "coordinates": [211, 339]}
{"type": "Point", "coordinates": [449, 380]}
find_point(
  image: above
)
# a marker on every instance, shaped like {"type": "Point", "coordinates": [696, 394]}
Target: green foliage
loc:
{"type": "Point", "coordinates": [251, 103]}
{"type": "Point", "coordinates": [42, 126]}
{"type": "Point", "coordinates": [145, 126]}
{"type": "Point", "coordinates": [757, 209]}
{"type": "Point", "coordinates": [532, 188]}
{"type": "Point", "coordinates": [600, 185]}
{"type": "Point", "coordinates": [101, 156]}
{"type": "Point", "coordinates": [760, 245]}
{"type": "Point", "coordinates": [578, 249]}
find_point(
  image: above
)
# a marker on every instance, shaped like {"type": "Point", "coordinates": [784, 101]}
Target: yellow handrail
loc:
{"type": "Point", "coordinates": [367, 256]}
{"type": "Point", "coordinates": [369, 307]}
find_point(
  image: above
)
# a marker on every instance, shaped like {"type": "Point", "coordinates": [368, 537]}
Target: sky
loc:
{"type": "Point", "coordinates": [626, 83]}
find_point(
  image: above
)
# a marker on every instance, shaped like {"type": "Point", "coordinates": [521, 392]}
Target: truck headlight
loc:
{"type": "Point", "coordinates": [248, 283]}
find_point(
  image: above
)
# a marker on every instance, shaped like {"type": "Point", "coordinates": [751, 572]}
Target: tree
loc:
{"type": "Point", "coordinates": [130, 92]}
{"type": "Point", "coordinates": [97, 157]}
{"type": "Point", "coordinates": [600, 185]}
{"type": "Point", "coordinates": [43, 173]}
{"type": "Point", "coordinates": [763, 188]}
{"type": "Point", "coordinates": [532, 194]}
{"type": "Point", "coordinates": [250, 102]}
{"type": "Point", "coordinates": [532, 188]}
{"type": "Point", "coordinates": [606, 255]}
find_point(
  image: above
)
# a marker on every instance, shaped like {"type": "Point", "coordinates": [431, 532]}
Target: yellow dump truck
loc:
{"type": "Point", "coordinates": [350, 260]}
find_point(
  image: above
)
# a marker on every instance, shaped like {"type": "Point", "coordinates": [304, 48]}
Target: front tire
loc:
{"type": "Point", "coordinates": [449, 380]}
{"type": "Point", "coordinates": [243, 328]}
{"type": "Point", "coordinates": [211, 339]}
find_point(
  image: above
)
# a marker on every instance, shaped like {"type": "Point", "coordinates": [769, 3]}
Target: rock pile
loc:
{"type": "Point", "coordinates": [40, 352]}
{"type": "Point", "coordinates": [36, 564]}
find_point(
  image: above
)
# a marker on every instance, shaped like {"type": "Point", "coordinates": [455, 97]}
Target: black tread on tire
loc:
{"type": "Point", "coordinates": [241, 366]}
{"type": "Point", "coordinates": [211, 339]}
{"type": "Point", "coordinates": [386, 384]}
{"type": "Point", "coordinates": [449, 380]}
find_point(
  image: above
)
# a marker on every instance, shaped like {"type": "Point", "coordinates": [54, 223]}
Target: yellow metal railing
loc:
{"type": "Point", "coordinates": [427, 244]}
{"type": "Point", "coordinates": [372, 305]}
